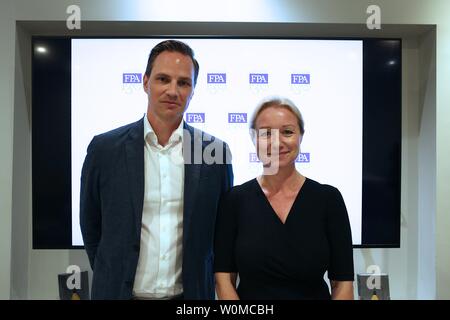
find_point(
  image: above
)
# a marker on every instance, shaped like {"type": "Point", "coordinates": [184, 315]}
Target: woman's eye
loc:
{"type": "Point", "coordinates": [264, 133]}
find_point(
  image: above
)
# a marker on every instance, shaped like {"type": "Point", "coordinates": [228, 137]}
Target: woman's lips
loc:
{"type": "Point", "coordinates": [279, 153]}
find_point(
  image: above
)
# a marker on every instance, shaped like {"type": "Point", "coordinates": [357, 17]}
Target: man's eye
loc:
{"type": "Point", "coordinates": [184, 84]}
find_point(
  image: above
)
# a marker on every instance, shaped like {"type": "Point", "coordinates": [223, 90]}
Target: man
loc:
{"type": "Point", "coordinates": [147, 205]}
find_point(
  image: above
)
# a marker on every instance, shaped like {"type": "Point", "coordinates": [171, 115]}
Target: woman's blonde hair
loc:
{"type": "Point", "coordinates": [277, 102]}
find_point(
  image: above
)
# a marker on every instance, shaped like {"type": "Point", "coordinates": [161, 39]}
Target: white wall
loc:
{"type": "Point", "coordinates": [21, 197]}
{"type": "Point", "coordinates": [418, 269]}
{"type": "Point", "coordinates": [6, 143]}
{"type": "Point", "coordinates": [443, 156]}
{"type": "Point", "coordinates": [426, 277]}
{"type": "Point", "coordinates": [412, 267]}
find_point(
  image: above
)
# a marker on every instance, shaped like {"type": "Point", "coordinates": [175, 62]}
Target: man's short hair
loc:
{"type": "Point", "coordinates": [172, 46]}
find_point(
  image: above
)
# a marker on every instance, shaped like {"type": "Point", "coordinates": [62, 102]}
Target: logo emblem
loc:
{"type": "Point", "coordinates": [303, 158]}
{"type": "Point", "coordinates": [300, 82]}
{"type": "Point", "coordinates": [131, 82]}
{"type": "Point", "coordinates": [217, 82]}
{"type": "Point", "coordinates": [259, 82]}
{"type": "Point", "coordinates": [195, 117]}
{"type": "Point", "coordinates": [237, 118]}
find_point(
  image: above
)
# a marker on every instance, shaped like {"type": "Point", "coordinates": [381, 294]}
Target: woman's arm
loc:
{"type": "Point", "coordinates": [341, 290]}
{"type": "Point", "coordinates": [226, 286]}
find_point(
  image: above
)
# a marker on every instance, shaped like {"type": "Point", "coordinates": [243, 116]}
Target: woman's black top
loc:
{"type": "Point", "coordinates": [284, 261]}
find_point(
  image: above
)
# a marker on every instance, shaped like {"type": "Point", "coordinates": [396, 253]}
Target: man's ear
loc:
{"type": "Point", "coordinates": [145, 83]}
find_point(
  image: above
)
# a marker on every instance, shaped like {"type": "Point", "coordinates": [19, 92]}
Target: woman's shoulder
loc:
{"type": "Point", "coordinates": [239, 193]}
{"type": "Point", "coordinates": [248, 186]}
{"type": "Point", "coordinates": [321, 188]}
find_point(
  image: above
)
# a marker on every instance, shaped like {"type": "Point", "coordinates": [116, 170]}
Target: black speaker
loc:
{"type": "Point", "coordinates": [74, 286]}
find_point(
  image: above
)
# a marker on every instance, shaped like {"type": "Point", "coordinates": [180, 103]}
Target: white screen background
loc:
{"type": "Point", "coordinates": [331, 104]}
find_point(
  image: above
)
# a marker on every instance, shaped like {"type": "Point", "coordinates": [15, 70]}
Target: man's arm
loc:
{"type": "Point", "coordinates": [90, 205]}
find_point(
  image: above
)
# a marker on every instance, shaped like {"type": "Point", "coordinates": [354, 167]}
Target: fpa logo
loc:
{"type": "Point", "coordinates": [259, 82]}
{"type": "Point", "coordinates": [259, 78]}
{"type": "Point", "coordinates": [217, 82]}
{"type": "Point", "coordinates": [253, 157]}
{"type": "Point", "coordinates": [237, 118]}
{"type": "Point", "coordinates": [217, 77]}
{"type": "Point", "coordinates": [195, 117]}
{"type": "Point", "coordinates": [303, 158]}
{"type": "Point", "coordinates": [300, 78]}
{"type": "Point", "coordinates": [300, 82]}
{"type": "Point", "coordinates": [132, 78]}
{"type": "Point", "coordinates": [130, 82]}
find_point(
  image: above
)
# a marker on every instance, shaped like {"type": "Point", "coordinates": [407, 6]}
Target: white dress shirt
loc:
{"type": "Point", "coordinates": [158, 273]}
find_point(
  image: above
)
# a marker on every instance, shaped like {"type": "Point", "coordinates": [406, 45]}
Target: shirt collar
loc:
{"type": "Point", "coordinates": [150, 135]}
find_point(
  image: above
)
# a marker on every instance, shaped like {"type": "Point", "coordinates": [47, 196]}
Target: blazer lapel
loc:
{"type": "Point", "coordinates": [134, 147]}
{"type": "Point", "coordinates": [192, 142]}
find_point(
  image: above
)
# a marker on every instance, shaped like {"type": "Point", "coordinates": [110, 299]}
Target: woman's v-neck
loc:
{"type": "Point", "coordinates": [272, 210]}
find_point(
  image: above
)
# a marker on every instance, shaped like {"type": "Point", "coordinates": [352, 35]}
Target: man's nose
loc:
{"type": "Point", "coordinates": [172, 89]}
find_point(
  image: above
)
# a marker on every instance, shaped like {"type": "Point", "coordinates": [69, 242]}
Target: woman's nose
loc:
{"type": "Point", "coordinates": [275, 139]}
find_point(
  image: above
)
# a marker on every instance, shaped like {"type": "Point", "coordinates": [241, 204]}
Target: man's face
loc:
{"type": "Point", "coordinates": [170, 86]}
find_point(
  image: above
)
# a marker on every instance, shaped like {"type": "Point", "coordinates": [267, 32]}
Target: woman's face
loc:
{"type": "Point", "coordinates": [278, 137]}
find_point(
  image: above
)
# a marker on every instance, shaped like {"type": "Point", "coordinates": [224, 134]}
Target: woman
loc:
{"type": "Point", "coordinates": [281, 231]}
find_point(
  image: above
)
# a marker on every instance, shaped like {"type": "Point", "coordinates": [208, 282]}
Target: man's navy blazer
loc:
{"type": "Point", "coordinates": [111, 203]}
